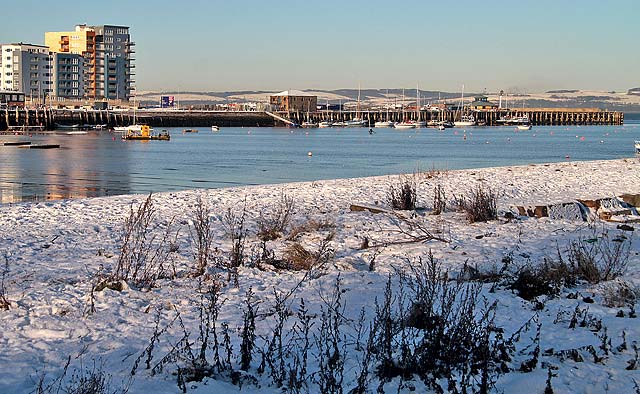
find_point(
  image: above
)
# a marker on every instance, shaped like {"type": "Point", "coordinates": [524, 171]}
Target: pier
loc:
{"type": "Point", "coordinates": [38, 120]}
{"type": "Point", "coordinates": [537, 116]}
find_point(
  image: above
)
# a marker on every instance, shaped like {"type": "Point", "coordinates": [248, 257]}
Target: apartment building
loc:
{"type": "Point", "coordinates": [108, 58]}
{"type": "Point", "coordinates": [68, 76]}
{"type": "Point", "coordinates": [27, 68]}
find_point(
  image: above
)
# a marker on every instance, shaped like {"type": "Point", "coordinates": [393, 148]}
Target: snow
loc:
{"type": "Point", "coordinates": [53, 249]}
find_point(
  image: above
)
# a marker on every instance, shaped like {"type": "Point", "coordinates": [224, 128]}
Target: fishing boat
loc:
{"type": "Point", "coordinates": [146, 134]}
{"type": "Point", "coordinates": [215, 128]}
{"type": "Point", "coordinates": [637, 146]}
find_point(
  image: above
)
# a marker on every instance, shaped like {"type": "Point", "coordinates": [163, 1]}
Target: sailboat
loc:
{"type": "Point", "coordinates": [385, 123]}
{"type": "Point", "coordinates": [357, 121]}
{"type": "Point", "coordinates": [308, 124]}
{"type": "Point", "coordinates": [326, 123]}
{"type": "Point", "coordinates": [465, 120]}
{"type": "Point", "coordinates": [405, 124]}
{"type": "Point", "coordinates": [419, 123]}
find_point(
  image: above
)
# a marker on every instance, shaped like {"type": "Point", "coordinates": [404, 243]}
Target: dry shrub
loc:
{"type": "Point", "coordinates": [145, 250]}
{"type": "Point", "coordinates": [5, 304]}
{"type": "Point", "coordinates": [619, 293]}
{"type": "Point", "coordinates": [202, 234]}
{"type": "Point", "coordinates": [301, 259]}
{"type": "Point", "coordinates": [403, 195]}
{"type": "Point", "coordinates": [480, 204]}
{"type": "Point", "coordinates": [439, 199]}
{"type": "Point", "coordinates": [309, 227]}
{"type": "Point", "coordinates": [272, 225]}
{"type": "Point", "coordinates": [546, 279]}
{"type": "Point", "coordinates": [600, 259]}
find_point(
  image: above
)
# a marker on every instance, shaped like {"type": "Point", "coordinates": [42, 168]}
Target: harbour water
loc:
{"type": "Point", "coordinates": [100, 163]}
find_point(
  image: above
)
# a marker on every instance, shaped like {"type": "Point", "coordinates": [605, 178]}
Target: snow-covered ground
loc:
{"type": "Point", "coordinates": [53, 252]}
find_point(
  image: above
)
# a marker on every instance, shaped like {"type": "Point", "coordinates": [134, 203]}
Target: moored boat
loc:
{"type": "Point", "coordinates": [355, 122]}
{"type": "Point", "coordinates": [309, 125]}
{"type": "Point", "coordinates": [215, 128]}
{"type": "Point", "coordinates": [404, 125]}
{"type": "Point", "coordinates": [325, 124]}
{"type": "Point", "coordinates": [190, 130]}
{"type": "Point", "coordinates": [523, 127]}
{"type": "Point", "coordinates": [146, 134]}
{"type": "Point", "coordinates": [465, 120]}
{"type": "Point", "coordinates": [383, 123]}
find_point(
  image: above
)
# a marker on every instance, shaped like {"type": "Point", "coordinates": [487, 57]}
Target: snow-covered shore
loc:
{"type": "Point", "coordinates": [54, 250]}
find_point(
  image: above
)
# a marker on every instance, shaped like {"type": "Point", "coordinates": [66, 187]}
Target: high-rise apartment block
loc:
{"type": "Point", "coordinates": [107, 51]}
{"type": "Point", "coordinates": [27, 68]}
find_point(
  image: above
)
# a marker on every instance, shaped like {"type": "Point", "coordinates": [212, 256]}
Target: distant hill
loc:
{"type": "Point", "coordinates": [623, 101]}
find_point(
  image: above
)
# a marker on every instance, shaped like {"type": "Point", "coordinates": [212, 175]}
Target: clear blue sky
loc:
{"type": "Point", "coordinates": [217, 45]}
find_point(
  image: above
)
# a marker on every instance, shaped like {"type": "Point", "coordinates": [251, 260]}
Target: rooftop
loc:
{"type": "Point", "coordinates": [294, 93]}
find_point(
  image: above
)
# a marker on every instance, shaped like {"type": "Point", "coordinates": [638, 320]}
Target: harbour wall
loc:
{"type": "Point", "coordinates": [48, 118]}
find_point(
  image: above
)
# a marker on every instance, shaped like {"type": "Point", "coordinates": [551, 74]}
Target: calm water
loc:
{"type": "Point", "coordinates": [101, 164]}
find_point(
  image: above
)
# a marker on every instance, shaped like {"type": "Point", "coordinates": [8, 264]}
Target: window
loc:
{"type": "Point", "coordinates": [8, 57]}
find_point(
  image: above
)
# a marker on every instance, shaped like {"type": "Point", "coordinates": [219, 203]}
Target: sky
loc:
{"type": "Point", "coordinates": [518, 46]}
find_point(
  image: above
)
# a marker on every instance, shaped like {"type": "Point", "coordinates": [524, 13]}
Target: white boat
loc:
{"type": "Point", "coordinates": [215, 128]}
{"type": "Point", "coordinates": [338, 124]}
{"type": "Point", "coordinates": [126, 129]}
{"type": "Point", "coordinates": [637, 146]}
{"type": "Point", "coordinates": [309, 125]}
{"type": "Point", "coordinates": [465, 120]}
{"type": "Point", "coordinates": [355, 122]}
{"type": "Point", "coordinates": [383, 123]}
{"type": "Point", "coordinates": [324, 124]}
{"type": "Point", "coordinates": [405, 125]}
{"type": "Point", "coordinates": [441, 127]}
{"type": "Point", "coordinates": [78, 132]}
{"type": "Point", "coordinates": [419, 123]}
{"type": "Point", "coordinates": [523, 127]}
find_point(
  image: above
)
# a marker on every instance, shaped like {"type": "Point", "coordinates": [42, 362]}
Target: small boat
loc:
{"type": "Point", "coordinates": [324, 124]}
{"type": "Point", "coordinates": [190, 131]}
{"type": "Point", "coordinates": [441, 127]}
{"type": "Point", "coordinates": [215, 128]}
{"type": "Point", "coordinates": [309, 125]}
{"type": "Point", "coordinates": [523, 127]}
{"type": "Point", "coordinates": [77, 132]}
{"type": "Point", "coordinates": [404, 125]}
{"type": "Point", "coordinates": [126, 129]}
{"type": "Point", "coordinates": [338, 124]}
{"type": "Point", "coordinates": [355, 122]}
{"type": "Point", "coordinates": [68, 126]}
{"type": "Point", "coordinates": [637, 146]}
{"type": "Point", "coordinates": [419, 123]}
{"type": "Point", "coordinates": [383, 123]}
{"type": "Point", "coordinates": [41, 146]}
{"type": "Point", "coordinates": [146, 134]}
{"type": "Point", "coordinates": [465, 120]}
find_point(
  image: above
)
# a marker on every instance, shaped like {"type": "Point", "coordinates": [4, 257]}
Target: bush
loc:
{"type": "Point", "coordinates": [480, 205]}
{"type": "Point", "coordinates": [403, 196]}
{"type": "Point", "coordinates": [601, 258]}
{"type": "Point", "coordinates": [271, 226]}
{"type": "Point", "coordinates": [547, 279]}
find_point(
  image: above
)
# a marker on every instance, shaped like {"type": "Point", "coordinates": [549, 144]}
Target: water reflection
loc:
{"type": "Point", "coordinates": [84, 166]}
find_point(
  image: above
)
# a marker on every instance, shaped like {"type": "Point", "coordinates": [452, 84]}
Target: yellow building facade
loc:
{"type": "Point", "coordinates": [81, 41]}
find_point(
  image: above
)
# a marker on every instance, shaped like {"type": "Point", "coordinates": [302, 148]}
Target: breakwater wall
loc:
{"type": "Point", "coordinates": [48, 118]}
